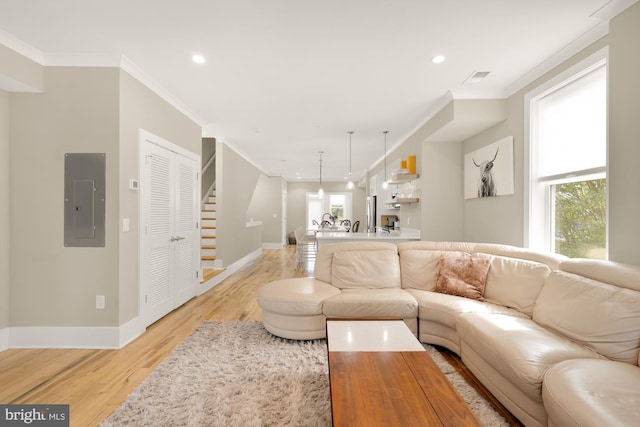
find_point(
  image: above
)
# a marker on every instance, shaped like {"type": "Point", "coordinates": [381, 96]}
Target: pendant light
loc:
{"type": "Point", "coordinates": [385, 184]}
{"type": "Point", "coordinates": [320, 190]}
{"type": "Point", "coordinates": [350, 183]}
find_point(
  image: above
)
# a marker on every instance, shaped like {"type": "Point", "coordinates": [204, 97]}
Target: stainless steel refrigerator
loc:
{"type": "Point", "coordinates": [371, 214]}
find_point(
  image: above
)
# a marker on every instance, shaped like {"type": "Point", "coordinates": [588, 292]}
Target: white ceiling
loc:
{"type": "Point", "coordinates": [285, 79]}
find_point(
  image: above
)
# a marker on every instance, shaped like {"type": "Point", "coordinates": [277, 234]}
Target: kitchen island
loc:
{"type": "Point", "coordinates": [394, 236]}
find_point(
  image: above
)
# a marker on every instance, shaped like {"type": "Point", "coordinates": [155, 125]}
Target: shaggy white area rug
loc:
{"type": "Point", "coordinates": [238, 374]}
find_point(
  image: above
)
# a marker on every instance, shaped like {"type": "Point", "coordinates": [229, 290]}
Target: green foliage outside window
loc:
{"type": "Point", "coordinates": [580, 223]}
{"type": "Point", "coordinates": [337, 211]}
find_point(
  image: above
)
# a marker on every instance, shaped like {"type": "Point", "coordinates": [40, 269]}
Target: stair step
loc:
{"type": "Point", "coordinates": [208, 258]}
{"type": "Point", "coordinates": [204, 247]}
{"type": "Point", "coordinates": [208, 227]}
{"type": "Point", "coordinates": [209, 210]}
{"type": "Point", "coordinates": [208, 237]}
{"type": "Point", "coordinates": [208, 273]}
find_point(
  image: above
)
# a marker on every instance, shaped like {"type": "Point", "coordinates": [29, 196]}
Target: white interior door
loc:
{"type": "Point", "coordinates": [168, 227]}
{"type": "Point", "coordinates": [187, 249]}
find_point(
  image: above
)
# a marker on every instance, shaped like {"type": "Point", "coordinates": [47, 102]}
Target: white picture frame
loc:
{"type": "Point", "coordinates": [488, 171]}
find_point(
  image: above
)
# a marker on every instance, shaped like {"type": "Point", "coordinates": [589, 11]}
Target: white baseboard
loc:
{"type": "Point", "coordinates": [4, 339]}
{"type": "Point", "coordinates": [99, 337]}
{"type": "Point", "coordinates": [64, 337]}
{"type": "Point", "coordinates": [131, 330]}
{"type": "Point", "coordinates": [230, 270]}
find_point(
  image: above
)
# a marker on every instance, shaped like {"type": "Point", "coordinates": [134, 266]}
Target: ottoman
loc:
{"type": "Point", "coordinates": [292, 308]}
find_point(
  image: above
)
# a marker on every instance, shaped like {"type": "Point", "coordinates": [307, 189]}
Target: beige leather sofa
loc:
{"type": "Point", "coordinates": [556, 340]}
{"type": "Point", "coordinates": [350, 280]}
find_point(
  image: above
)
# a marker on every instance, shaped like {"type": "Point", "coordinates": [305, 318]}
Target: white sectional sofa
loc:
{"type": "Point", "coordinates": [556, 340]}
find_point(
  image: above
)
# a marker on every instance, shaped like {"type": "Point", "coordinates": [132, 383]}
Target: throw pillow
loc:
{"type": "Point", "coordinates": [464, 276]}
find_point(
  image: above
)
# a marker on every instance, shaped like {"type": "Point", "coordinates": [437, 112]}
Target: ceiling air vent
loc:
{"type": "Point", "coordinates": [475, 77]}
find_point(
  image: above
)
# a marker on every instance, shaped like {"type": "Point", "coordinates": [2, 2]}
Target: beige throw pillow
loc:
{"type": "Point", "coordinates": [463, 276]}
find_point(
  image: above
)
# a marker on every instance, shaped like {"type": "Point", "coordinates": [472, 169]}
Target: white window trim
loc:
{"type": "Point", "coordinates": [536, 224]}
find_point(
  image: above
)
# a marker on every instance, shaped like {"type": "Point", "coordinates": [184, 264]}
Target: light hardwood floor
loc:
{"type": "Point", "coordinates": [95, 382]}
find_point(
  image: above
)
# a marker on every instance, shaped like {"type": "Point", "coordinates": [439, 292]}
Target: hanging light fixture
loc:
{"type": "Point", "coordinates": [385, 184]}
{"type": "Point", "coordinates": [350, 183]}
{"type": "Point", "coordinates": [320, 190]}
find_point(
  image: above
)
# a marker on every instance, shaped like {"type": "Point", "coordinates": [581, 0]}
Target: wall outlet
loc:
{"type": "Point", "coordinates": [100, 302]}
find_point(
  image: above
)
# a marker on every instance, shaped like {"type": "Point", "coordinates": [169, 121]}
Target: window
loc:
{"type": "Point", "coordinates": [338, 205]}
{"type": "Point", "coordinates": [567, 148]}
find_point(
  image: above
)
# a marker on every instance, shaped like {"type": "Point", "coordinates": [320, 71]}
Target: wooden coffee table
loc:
{"type": "Point", "coordinates": [381, 375]}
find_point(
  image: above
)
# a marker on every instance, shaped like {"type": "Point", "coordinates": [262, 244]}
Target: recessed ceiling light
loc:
{"type": "Point", "coordinates": [198, 59]}
{"type": "Point", "coordinates": [438, 59]}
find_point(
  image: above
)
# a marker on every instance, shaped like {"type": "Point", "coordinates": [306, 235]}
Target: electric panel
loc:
{"type": "Point", "coordinates": [84, 199]}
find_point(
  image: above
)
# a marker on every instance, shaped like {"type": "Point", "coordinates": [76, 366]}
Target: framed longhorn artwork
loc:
{"type": "Point", "coordinates": [488, 171]}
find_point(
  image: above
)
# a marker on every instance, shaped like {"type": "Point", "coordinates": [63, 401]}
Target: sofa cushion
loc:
{"type": "Point", "coordinates": [419, 268]}
{"type": "Point", "coordinates": [297, 296]}
{"type": "Point", "coordinates": [445, 309]}
{"type": "Point", "coordinates": [365, 269]}
{"type": "Point", "coordinates": [514, 282]}
{"type": "Point", "coordinates": [395, 303]}
{"type": "Point", "coordinates": [601, 316]}
{"type": "Point", "coordinates": [584, 392]}
{"type": "Point", "coordinates": [517, 348]}
{"type": "Point", "coordinates": [463, 276]}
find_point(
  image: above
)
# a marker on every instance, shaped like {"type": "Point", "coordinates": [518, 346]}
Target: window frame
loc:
{"type": "Point", "coordinates": [326, 204]}
{"type": "Point", "coordinates": [538, 192]}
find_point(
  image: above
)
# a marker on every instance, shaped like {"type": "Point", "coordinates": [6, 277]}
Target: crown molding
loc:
{"type": "Point", "coordinates": [21, 47]}
{"type": "Point", "coordinates": [573, 48]}
{"type": "Point", "coordinates": [612, 9]}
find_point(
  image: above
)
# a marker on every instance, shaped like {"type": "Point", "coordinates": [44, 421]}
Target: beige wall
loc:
{"type": "Point", "coordinates": [236, 184]}
{"type": "Point", "coordinates": [501, 219]}
{"type": "Point", "coordinates": [140, 108]}
{"type": "Point", "coordinates": [624, 137]}
{"type": "Point", "coordinates": [82, 109]}
{"type": "Point", "coordinates": [441, 193]}
{"type": "Point", "coordinates": [5, 226]}
{"type": "Point", "coordinates": [497, 219]}
{"type": "Point", "coordinates": [50, 284]}
{"type": "Point", "coordinates": [266, 206]}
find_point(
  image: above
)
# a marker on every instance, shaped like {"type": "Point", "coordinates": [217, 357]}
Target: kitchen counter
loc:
{"type": "Point", "coordinates": [395, 236]}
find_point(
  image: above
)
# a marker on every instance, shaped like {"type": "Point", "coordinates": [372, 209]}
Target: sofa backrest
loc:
{"type": "Point", "coordinates": [550, 259]}
{"type": "Point", "coordinates": [514, 282]}
{"type": "Point", "coordinates": [419, 268]}
{"type": "Point", "coordinates": [515, 277]}
{"type": "Point", "coordinates": [352, 265]}
{"type": "Point", "coordinates": [596, 303]}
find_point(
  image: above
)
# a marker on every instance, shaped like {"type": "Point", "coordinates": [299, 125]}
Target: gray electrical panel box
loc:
{"type": "Point", "coordinates": [84, 199]}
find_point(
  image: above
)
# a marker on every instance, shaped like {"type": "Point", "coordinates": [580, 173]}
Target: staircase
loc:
{"type": "Point", "coordinates": [208, 233]}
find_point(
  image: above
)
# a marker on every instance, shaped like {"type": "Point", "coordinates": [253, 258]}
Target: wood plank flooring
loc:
{"type": "Point", "coordinates": [95, 382]}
